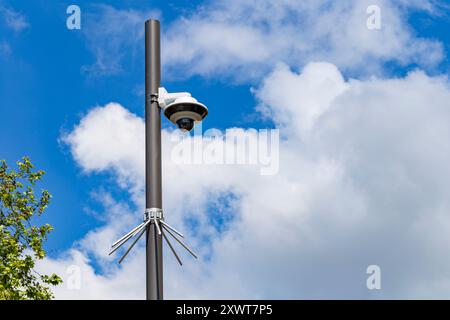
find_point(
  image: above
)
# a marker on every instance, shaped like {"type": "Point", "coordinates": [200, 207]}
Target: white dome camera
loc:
{"type": "Point", "coordinates": [181, 109]}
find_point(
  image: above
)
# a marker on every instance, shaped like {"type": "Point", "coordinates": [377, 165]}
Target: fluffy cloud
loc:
{"type": "Point", "coordinates": [246, 38]}
{"type": "Point", "coordinates": [95, 129]}
{"type": "Point", "coordinates": [243, 40]}
{"type": "Point", "coordinates": [362, 181]}
{"type": "Point", "coordinates": [319, 85]}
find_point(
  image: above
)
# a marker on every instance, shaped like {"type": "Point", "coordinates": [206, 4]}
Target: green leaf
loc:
{"type": "Point", "coordinates": [20, 236]}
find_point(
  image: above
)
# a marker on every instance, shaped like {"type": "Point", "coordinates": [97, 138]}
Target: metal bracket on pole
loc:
{"type": "Point", "coordinates": [153, 213]}
{"type": "Point", "coordinates": [153, 97]}
{"type": "Point", "coordinates": [152, 216]}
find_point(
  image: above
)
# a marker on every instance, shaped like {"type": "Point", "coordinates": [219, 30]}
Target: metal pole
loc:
{"type": "Point", "coordinates": [153, 196]}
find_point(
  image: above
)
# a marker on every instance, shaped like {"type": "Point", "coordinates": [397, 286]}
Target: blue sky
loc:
{"type": "Point", "coordinates": [50, 80]}
{"type": "Point", "coordinates": [44, 89]}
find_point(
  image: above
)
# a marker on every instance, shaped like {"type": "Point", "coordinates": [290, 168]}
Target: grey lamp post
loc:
{"type": "Point", "coordinates": [184, 111]}
{"type": "Point", "coordinates": [153, 183]}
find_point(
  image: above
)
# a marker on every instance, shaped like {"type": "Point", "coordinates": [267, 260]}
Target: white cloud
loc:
{"type": "Point", "coordinates": [112, 283]}
{"type": "Point", "coordinates": [319, 85]}
{"type": "Point", "coordinates": [243, 40]}
{"type": "Point", "coordinates": [363, 180]}
{"type": "Point", "coordinates": [96, 129]}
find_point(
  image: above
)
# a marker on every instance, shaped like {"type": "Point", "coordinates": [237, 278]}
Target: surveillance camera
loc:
{"type": "Point", "coordinates": [181, 109]}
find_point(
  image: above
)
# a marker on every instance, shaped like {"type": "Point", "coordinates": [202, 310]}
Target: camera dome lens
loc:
{"type": "Point", "coordinates": [185, 124]}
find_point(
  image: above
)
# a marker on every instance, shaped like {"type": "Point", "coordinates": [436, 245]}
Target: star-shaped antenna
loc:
{"type": "Point", "coordinates": [152, 216]}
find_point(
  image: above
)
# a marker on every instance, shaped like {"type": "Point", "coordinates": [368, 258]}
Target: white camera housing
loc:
{"type": "Point", "coordinates": [181, 108]}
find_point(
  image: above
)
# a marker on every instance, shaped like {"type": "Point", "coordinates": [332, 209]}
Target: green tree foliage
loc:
{"type": "Point", "coordinates": [21, 242]}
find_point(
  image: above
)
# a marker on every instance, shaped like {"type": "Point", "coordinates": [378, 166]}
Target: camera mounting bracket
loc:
{"type": "Point", "coordinates": [165, 98]}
